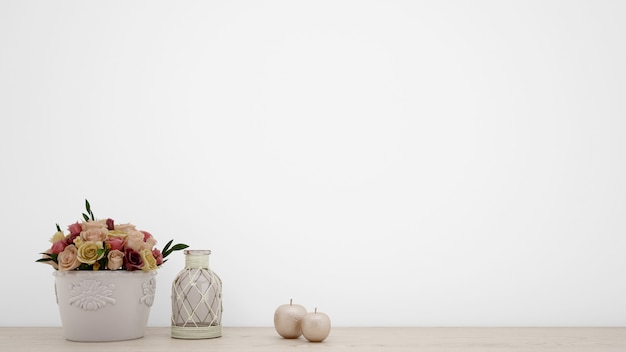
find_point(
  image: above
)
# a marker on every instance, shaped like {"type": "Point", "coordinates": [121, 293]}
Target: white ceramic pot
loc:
{"type": "Point", "coordinates": [104, 305]}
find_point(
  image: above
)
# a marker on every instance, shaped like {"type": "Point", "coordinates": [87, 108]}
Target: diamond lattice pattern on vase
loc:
{"type": "Point", "coordinates": [198, 299]}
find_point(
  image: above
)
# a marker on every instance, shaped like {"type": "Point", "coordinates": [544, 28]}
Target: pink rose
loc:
{"type": "Point", "coordinates": [116, 243]}
{"type": "Point", "coordinates": [158, 256]}
{"type": "Point", "coordinates": [58, 246]}
{"type": "Point", "coordinates": [68, 259]}
{"type": "Point", "coordinates": [146, 235]}
{"type": "Point", "coordinates": [115, 260]}
{"type": "Point", "coordinates": [134, 240]}
{"type": "Point", "coordinates": [132, 260]}
{"type": "Point", "coordinates": [75, 229]}
{"type": "Point", "coordinates": [97, 224]}
{"type": "Point", "coordinates": [94, 234]}
{"type": "Point", "coordinates": [125, 227]}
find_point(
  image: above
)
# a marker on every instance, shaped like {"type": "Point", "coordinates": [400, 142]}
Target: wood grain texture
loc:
{"type": "Point", "coordinates": [17, 339]}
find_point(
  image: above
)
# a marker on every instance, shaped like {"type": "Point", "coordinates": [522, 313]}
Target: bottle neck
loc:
{"type": "Point", "coordinates": [197, 261]}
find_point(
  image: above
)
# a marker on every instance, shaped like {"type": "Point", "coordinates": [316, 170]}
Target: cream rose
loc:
{"type": "Point", "coordinates": [115, 259]}
{"type": "Point", "coordinates": [90, 252]}
{"type": "Point", "coordinates": [149, 263]}
{"type": "Point", "coordinates": [59, 235]}
{"type": "Point", "coordinates": [117, 233]}
{"type": "Point", "coordinates": [94, 235]}
{"type": "Point", "coordinates": [134, 240]}
{"type": "Point", "coordinates": [68, 259]}
{"type": "Point", "coordinates": [78, 242]}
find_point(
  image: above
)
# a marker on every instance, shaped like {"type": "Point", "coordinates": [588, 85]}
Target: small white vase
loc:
{"type": "Point", "coordinates": [104, 305]}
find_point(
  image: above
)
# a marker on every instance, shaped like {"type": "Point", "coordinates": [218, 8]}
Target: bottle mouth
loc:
{"type": "Point", "coordinates": [197, 252]}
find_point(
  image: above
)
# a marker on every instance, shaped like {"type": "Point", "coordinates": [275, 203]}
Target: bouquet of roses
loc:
{"type": "Point", "coordinates": [104, 245]}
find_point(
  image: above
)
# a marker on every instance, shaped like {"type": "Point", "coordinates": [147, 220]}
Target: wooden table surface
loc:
{"type": "Point", "coordinates": [49, 339]}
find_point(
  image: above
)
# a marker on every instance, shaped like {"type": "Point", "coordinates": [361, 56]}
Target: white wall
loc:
{"type": "Point", "coordinates": [433, 163]}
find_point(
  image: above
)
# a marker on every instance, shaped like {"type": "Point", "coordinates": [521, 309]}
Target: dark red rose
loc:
{"type": "Point", "coordinates": [132, 260]}
{"type": "Point", "coordinates": [70, 239]}
{"type": "Point", "coordinates": [110, 224]}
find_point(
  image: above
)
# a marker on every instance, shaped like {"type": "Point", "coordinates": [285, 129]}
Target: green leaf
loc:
{"type": "Point", "coordinates": [167, 246]}
{"type": "Point", "coordinates": [86, 217]}
{"type": "Point", "coordinates": [176, 247]}
{"type": "Point", "coordinates": [58, 228]}
{"type": "Point", "coordinates": [88, 207]}
{"type": "Point", "coordinates": [103, 262]}
{"type": "Point", "coordinates": [51, 257]}
{"type": "Point", "coordinates": [179, 247]}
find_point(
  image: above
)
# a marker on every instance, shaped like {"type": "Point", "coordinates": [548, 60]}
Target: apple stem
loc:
{"type": "Point", "coordinates": [290, 300]}
{"type": "Point", "coordinates": [315, 310]}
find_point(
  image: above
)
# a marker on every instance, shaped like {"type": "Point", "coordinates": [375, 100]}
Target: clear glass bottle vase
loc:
{"type": "Point", "coordinates": [197, 299]}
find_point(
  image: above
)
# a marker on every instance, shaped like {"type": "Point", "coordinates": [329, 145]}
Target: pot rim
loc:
{"type": "Point", "coordinates": [104, 272]}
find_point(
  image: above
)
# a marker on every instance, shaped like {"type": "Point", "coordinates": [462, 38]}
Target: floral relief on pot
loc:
{"type": "Point", "coordinates": [148, 292]}
{"type": "Point", "coordinates": [91, 295]}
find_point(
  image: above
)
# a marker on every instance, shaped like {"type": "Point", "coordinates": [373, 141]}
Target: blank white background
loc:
{"type": "Point", "coordinates": [393, 163]}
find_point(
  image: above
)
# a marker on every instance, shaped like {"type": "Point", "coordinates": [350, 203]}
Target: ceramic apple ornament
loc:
{"type": "Point", "coordinates": [315, 326]}
{"type": "Point", "coordinates": [287, 319]}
